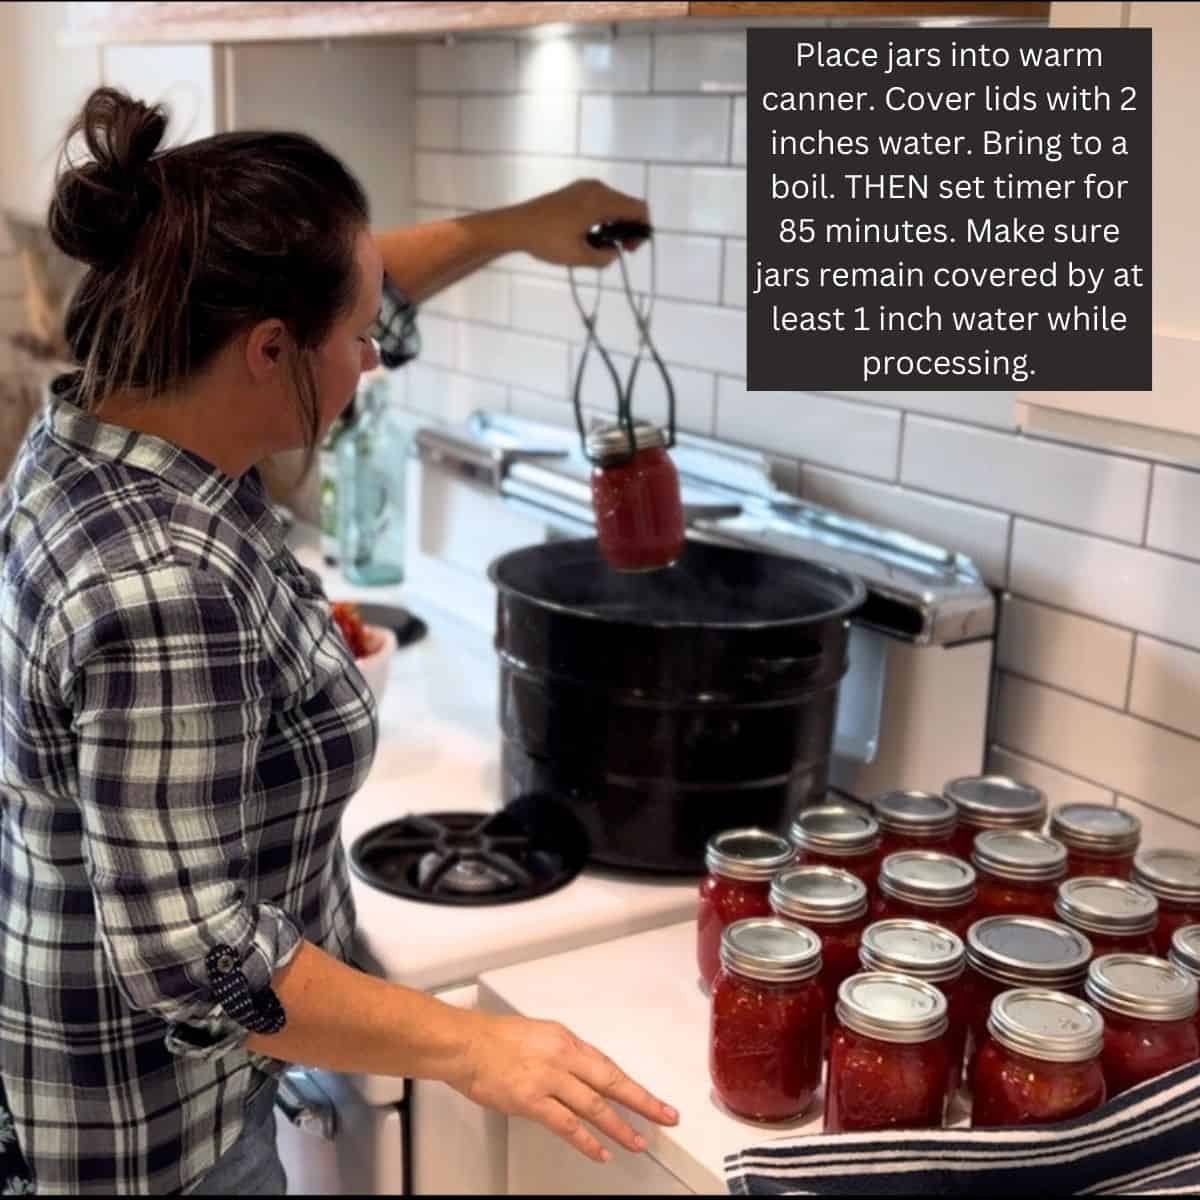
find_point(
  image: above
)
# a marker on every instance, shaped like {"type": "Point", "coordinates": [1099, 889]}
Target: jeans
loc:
{"type": "Point", "coordinates": [251, 1166]}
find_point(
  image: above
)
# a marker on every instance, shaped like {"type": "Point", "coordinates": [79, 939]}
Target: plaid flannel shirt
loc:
{"type": "Point", "coordinates": [182, 727]}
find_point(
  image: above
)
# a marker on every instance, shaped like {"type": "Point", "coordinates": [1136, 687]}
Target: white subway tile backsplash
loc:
{"type": "Point", "coordinates": [437, 122]}
{"type": "Point", "coordinates": [1099, 493]}
{"type": "Point", "coordinates": [733, 290]}
{"type": "Point", "coordinates": [1059, 787]}
{"type": "Point", "coordinates": [979, 534]}
{"type": "Point", "coordinates": [700, 62]}
{"type": "Point", "coordinates": [1070, 652]}
{"type": "Point", "coordinates": [686, 267]}
{"type": "Point", "coordinates": [439, 340]}
{"type": "Point", "coordinates": [537, 363]}
{"type": "Point", "coordinates": [978, 408]}
{"type": "Point", "coordinates": [437, 179]}
{"type": "Point", "coordinates": [482, 296]}
{"type": "Point", "coordinates": [1123, 585]}
{"type": "Point", "coordinates": [468, 66]}
{"type": "Point", "coordinates": [738, 149]}
{"type": "Point", "coordinates": [1137, 759]}
{"type": "Point", "coordinates": [699, 199]}
{"type": "Point", "coordinates": [1162, 829]}
{"type": "Point", "coordinates": [701, 335]}
{"type": "Point", "coordinates": [585, 64]}
{"type": "Point", "coordinates": [1174, 507]}
{"type": "Point", "coordinates": [449, 396]}
{"type": "Point", "coordinates": [1166, 685]}
{"type": "Point", "coordinates": [535, 406]}
{"type": "Point", "coordinates": [539, 124]}
{"type": "Point", "coordinates": [811, 427]}
{"type": "Point", "coordinates": [665, 128]}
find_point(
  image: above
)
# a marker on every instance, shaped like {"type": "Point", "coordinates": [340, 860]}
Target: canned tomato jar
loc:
{"type": "Point", "coordinates": [1149, 1011]}
{"type": "Point", "coordinates": [931, 953]}
{"type": "Point", "coordinates": [741, 864]}
{"type": "Point", "coordinates": [1019, 873]}
{"type": "Point", "coordinates": [914, 820]}
{"type": "Point", "coordinates": [767, 1019]}
{"type": "Point", "coordinates": [837, 835]}
{"type": "Point", "coordinates": [929, 886]}
{"type": "Point", "coordinates": [1185, 954]}
{"type": "Point", "coordinates": [1040, 1061]}
{"type": "Point", "coordinates": [1100, 839]}
{"type": "Point", "coordinates": [888, 1060]}
{"type": "Point", "coordinates": [992, 802]}
{"type": "Point", "coordinates": [1173, 876]}
{"type": "Point", "coordinates": [1116, 916]}
{"type": "Point", "coordinates": [833, 904]}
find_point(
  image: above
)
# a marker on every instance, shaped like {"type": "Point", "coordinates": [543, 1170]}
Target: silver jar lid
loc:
{"type": "Point", "coordinates": [997, 802]}
{"type": "Point", "coordinates": [770, 950]}
{"type": "Point", "coordinates": [1020, 855]}
{"type": "Point", "coordinates": [1169, 874]}
{"type": "Point", "coordinates": [751, 855]}
{"type": "Point", "coordinates": [1185, 948]}
{"type": "Point", "coordinates": [1098, 828]}
{"type": "Point", "coordinates": [823, 895]}
{"type": "Point", "coordinates": [1141, 986]}
{"type": "Point", "coordinates": [927, 877]}
{"type": "Point", "coordinates": [836, 830]}
{"type": "Point", "coordinates": [921, 814]}
{"type": "Point", "coordinates": [611, 442]}
{"type": "Point", "coordinates": [1047, 1025]}
{"type": "Point", "coordinates": [1028, 951]}
{"type": "Point", "coordinates": [1110, 906]}
{"type": "Point", "coordinates": [892, 1007]}
{"type": "Point", "coordinates": [910, 947]}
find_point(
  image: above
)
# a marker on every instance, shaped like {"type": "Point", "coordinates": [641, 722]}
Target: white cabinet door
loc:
{"type": "Point", "coordinates": [186, 78]}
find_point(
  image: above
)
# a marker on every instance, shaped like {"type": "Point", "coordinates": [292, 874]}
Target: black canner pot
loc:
{"type": "Point", "coordinates": [661, 708]}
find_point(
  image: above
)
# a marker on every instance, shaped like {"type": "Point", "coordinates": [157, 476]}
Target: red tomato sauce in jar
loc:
{"type": "Point", "coordinates": [1019, 872]}
{"type": "Point", "coordinates": [741, 864]}
{"type": "Point", "coordinates": [888, 1060]}
{"type": "Point", "coordinates": [914, 820]}
{"type": "Point", "coordinates": [1149, 1011]}
{"type": "Point", "coordinates": [639, 511]}
{"type": "Point", "coordinates": [1118, 917]}
{"type": "Point", "coordinates": [833, 904]}
{"type": "Point", "coordinates": [838, 835]}
{"type": "Point", "coordinates": [1185, 954]}
{"type": "Point", "coordinates": [1101, 840]}
{"type": "Point", "coordinates": [992, 802]}
{"type": "Point", "coordinates": [767, 1020]}
{"type": "Point", "coordinates": [1173, 878]}
{"type": "Point", "coordinates": [928, 886]}
{"type": "Point", "coordinates": [1040, 1062]}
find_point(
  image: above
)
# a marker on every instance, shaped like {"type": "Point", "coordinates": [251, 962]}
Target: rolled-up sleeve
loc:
{"type": "Point", "coordinates": [168, 681]}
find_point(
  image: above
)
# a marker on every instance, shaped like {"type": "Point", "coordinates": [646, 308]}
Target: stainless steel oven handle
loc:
{"type": "Point", "coordinates": [305, 1103]}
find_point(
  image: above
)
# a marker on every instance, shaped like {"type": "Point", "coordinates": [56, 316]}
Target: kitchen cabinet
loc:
{"type": "Point", "coordinates": [1163, 423]}
{"type": "Point", "coordinates": [239, 21]}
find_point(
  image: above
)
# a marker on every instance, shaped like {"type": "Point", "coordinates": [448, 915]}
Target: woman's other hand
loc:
{"type": "Point", "coordinates": [552, 226]}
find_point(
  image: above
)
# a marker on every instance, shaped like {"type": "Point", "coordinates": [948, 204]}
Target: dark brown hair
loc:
{"type": "Point", "coordinates": [190, 246]}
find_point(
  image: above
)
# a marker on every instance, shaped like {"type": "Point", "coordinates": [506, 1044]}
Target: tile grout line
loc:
{"type": "Point", "coordinates": [1149, 504]}
{"type": "Point", "coordinates": [1133, 653]}
{"type": "Point", "coordinates": [1041, 762]}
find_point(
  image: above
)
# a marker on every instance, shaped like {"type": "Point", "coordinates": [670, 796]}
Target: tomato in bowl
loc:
{"type": "Point", "coordinates": [371, 645]}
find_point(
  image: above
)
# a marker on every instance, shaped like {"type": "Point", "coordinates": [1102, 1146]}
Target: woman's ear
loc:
{"type": "Point", "coordinates": [265, 345]}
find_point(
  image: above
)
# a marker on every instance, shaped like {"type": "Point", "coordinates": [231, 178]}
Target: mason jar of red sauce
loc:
{"type": "Point", "coordinates": [1019, 873]}
{"type": "Point", "coordinates": [1185, 954]}
{"type": "Point", "coordinates": [1100, 839]}
{"type": "Point", "coordinates": [926, 885]}
{"type": "Point", "coordinates": [1173, 878]}
{"type": "Point", "coordinates": [837, 835]}
{"type": "Point", "coordinates": [888, 1060]}
{"type": "Point", "coordinates": [1149, 1011]}
{"type": "Point", "coordinates": [741, 864]}
{"type": "Point", "coordinates": [1018, 952]}
{"type": "Point", "coordinates": [1118, 917]}
{"type": "Point", "coordinates": [833, 904]}
{"type": "Point", "coordinates": [992, 802]}
{"type": "Point", "coordinates": [931, 953]}
{"type": "Point", "coordinates": [767, 1022]}
{"type": "Point", "coordinates": [913, 820]}
{"type": "Point", "coordinates": [1040, 1062]}
{"type": "Point", "coordinates": [636, 500]}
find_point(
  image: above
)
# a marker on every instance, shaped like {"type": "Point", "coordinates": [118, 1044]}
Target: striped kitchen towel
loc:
{"type": "Point", "coordinates": [1145, 1142]}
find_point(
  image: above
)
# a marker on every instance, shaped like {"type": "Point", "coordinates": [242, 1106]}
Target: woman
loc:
{"type": "Point", "coordinates": [182, 726]}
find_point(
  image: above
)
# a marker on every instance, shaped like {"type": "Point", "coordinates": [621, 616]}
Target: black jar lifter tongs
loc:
{"type": "Point", "coordinates": [611, 235]}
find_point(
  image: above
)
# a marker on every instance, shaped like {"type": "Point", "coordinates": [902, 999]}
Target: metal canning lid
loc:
{"type": "Point", "coordinates": [817, 893]}
{"type": "Point", "coordinates": [892, 1007]}
{"type": "Point", "coordinates": [927, 877]}
{"type": "Point", "coordinates": [1028, 951]}
{"type": "Point", "coordinates": [1185, 948]}
{"type": "Point", "coordinates": [1020, 854]}
{"type": "Point", "coordinates": [924, 814]}
{"type": "Point", "coordinates": [1169, 874]}
{"type": "Point", "coordinates": [835, 829]}
{"type": "Point", "coordinates": [1142, 986]}
{"type": "Point", "coordinates": [1099, 828]}
{"type": "Point", "coordinates": [751, 855]}
{"type": "Point", "coordinates": [611, 441]}
{"type": "Point", "coordinates": [997, 802]}
{"type": "Point", "coordinates": [1047, 1025]}
{"type": "Point", "coordinates": [770, 950]}
{"type": "Point", "coordinates": [1111, 906]}
{"type": "Point", "coordinates": [918, 948]}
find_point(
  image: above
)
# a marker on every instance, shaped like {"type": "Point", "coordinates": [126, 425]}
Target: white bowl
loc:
{"type": "Point", "coordinates": [375, 666]}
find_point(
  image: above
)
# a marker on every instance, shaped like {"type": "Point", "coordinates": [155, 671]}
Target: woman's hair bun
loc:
{"type": "Point", "coordinates": [101, 203]}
